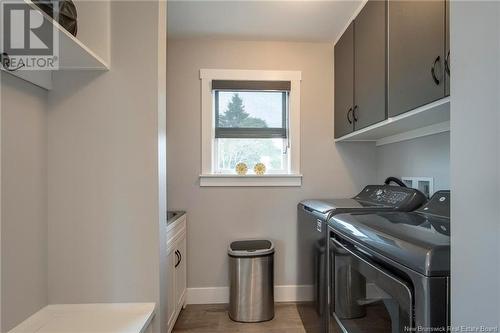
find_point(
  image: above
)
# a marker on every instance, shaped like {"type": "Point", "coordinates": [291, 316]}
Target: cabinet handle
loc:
{"type": "Point", "coordinates": [447, 63]}
{"type": "Point", "coordinates": [433, 71]}
{"type": "Point", "coordinates": [354, 113]}
{"type": "Point", "coordinates": [178, 255]}
{"type": "Point", "coordinates": [348, 116]}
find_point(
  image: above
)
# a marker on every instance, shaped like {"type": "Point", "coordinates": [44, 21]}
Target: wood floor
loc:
{"type": "Point", "coordinates": [214, 319]}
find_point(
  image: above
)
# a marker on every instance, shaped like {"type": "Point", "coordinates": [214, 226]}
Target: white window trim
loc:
{"type": "Point", "coordinates": [207, 177]}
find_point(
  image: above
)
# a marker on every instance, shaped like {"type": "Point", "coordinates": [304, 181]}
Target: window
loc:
{"type": "Point", "coordinates": [251, 125]}
{"type": "Point", "coordinates": [250, 117]}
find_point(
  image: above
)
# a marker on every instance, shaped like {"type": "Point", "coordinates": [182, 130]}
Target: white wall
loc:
{"type": "Point", "coordinates": [422, 157]}
{"type": "Point", "coordinates": [24, 200]}
{"type": "Point", "coordinates": [217, 216]}
{"type": "Point", "coordinates": [94, 27]}
{"type": "Point", "coordinates": [162, 163]}
{"type": "Point", "coordinates": [475, 163]}
{"type": "Point", "coordinates": [84, 173]}
{"type": "Point", "coordinates": [106, 168]}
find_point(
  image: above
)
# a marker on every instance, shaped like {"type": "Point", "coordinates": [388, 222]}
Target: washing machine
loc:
{"type": "Point", "coordinates": [313, 241]}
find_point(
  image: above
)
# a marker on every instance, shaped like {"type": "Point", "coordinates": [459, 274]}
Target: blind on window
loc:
{"type": "Point", "coordinates": [251, 109]}
{"type": "Point", "coordinates": [251, 85]}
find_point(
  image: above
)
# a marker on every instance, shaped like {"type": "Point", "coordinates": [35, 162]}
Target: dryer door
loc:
{"type": "Point", "coordinates": [364, 296]}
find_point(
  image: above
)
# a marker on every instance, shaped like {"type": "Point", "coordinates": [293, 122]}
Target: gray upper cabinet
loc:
{"type": "Point", "coordinates": [370, 65]}
{"type": "Point", "coordinates": [416, 38]}
{"type": "Point", "coordinates": [344, 83]}
{"type": "Point", "coordinates": [447, 50]}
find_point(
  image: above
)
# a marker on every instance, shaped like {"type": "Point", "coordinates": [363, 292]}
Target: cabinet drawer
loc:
{"type": "Point", "coordinates": [175, 231]}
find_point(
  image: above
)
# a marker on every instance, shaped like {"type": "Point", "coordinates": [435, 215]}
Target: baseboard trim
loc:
{"type": "Point", "coordinates": [219, 295]}
{"type": "Point", "coordinates": [293, 293]}
{"type": "Point", "coordinates": [213, 295]}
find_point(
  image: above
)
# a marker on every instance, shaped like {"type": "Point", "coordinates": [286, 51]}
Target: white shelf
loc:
{"type": "Point", "coordinates": [82, 318]}
{"type": "Point", "coordinates": [429, 119]}
{"type": "Point", "coordinates": [73, 55]}
{"type": "Point", "coordinates": [224, 180]}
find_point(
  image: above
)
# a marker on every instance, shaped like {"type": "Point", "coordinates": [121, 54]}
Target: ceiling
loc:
{"type": "Point", "coordinates": [314, 21]}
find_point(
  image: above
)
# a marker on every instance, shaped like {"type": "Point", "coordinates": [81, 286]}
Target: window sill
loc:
{"type": "Point", "coordinates": [250, 180]}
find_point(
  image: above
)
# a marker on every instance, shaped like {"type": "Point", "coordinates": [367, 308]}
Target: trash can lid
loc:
{"type": "Point", "coordinates": [251, 248]}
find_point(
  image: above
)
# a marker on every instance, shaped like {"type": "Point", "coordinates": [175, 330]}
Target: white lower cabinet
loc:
{"type": "Point", "coordinates": [176, 270]}
{"type": "Point", "coordinates": [180, 274]}
{"type": "Point", "coordinates": [171, 306]}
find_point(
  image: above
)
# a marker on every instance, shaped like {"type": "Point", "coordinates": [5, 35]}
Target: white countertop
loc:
{"type": "Point", "coordinates": [89, 318]}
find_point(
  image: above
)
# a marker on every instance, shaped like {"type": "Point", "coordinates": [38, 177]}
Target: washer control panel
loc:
{"type": "Point", "coordinates": [399, 197]}
{"type": "Point", "coordinates": [390, 196]}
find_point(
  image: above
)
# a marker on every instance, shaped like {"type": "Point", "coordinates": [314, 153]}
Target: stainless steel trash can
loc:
{"type": "Point", "coordinates": [251, 270]}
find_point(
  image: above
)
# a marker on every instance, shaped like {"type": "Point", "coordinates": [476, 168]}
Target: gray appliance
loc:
{"type": "Point", "coordinates": [401, 261]}
{"type": "Point", "coordinates": [312, 240]}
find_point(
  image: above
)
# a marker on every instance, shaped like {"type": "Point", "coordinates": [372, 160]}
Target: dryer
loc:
{"type": "Point", "coordinates": [312, 239]}
{"type": "Point", "coordinates": [399, 269]}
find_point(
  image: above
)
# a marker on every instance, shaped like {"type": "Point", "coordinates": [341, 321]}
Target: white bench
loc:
{"type": "Point", "coordinates": [90, 318]}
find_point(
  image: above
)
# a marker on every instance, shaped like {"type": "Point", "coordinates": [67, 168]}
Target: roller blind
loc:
{"type": "Point", "coordinates": [251, 85]}
{"type": "Point", "coordinates": [251, 109]}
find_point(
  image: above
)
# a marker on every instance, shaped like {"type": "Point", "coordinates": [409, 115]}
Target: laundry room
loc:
{"type": "Point", "coordinates": [189, 166]}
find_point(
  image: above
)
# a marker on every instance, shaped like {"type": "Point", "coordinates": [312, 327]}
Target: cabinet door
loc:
{"type": "Point", "coordinates": [344, 77]}
{"type": "Point", "coordinates": [370, 65]}
{"type": "Point", "coordinates": [180, 273]}
{"type": "Point", "coordinates": [416, 46]}
{"type": "Point", "coordinates": [447, 50]}
{"type": "Point", "coordinates": [171, 292]}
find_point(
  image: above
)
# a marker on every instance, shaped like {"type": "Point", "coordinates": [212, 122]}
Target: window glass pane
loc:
{"type": "Point", "coordinates": [251, 151]}
{"type": "Point", "coordinates": [250, 109]}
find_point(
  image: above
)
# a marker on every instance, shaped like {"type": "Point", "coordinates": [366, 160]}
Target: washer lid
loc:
{"type": "Point", "coordinates": [418, 241]}
{"type": "Point", "coordinates": [325, 206]}
{"type": "Point", "coordinates": [251, 248]}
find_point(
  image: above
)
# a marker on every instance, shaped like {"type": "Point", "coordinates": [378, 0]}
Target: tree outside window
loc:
{"type": "Point", "coordinates": [232, 151]}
